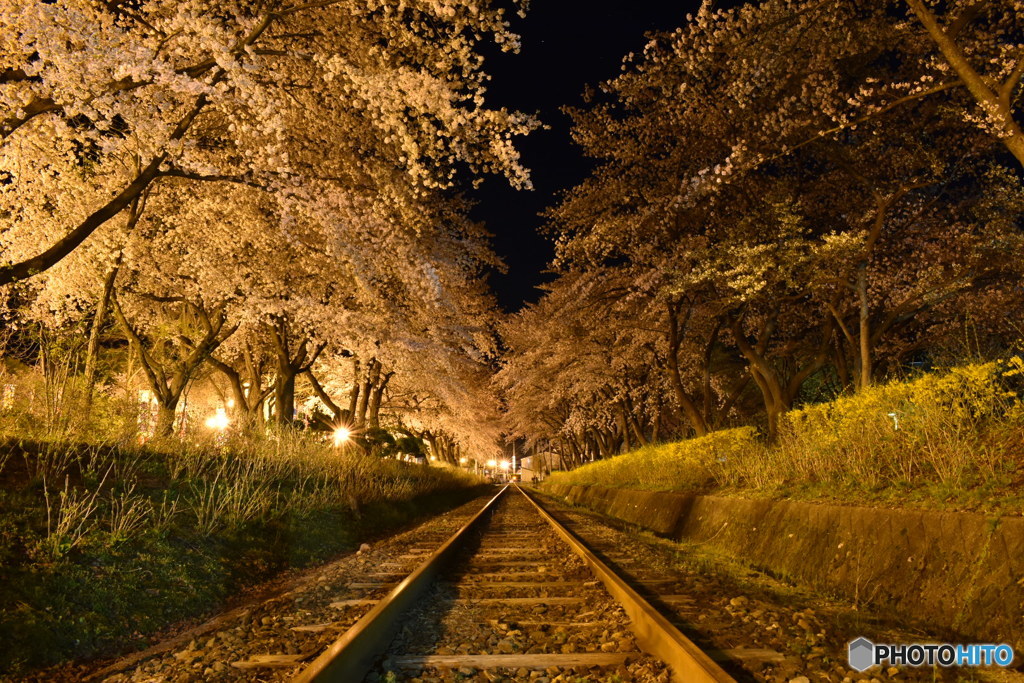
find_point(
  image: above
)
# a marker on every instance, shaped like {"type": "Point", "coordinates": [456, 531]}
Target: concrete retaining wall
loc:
{"type": "Point", "coordinates": [959, 572]}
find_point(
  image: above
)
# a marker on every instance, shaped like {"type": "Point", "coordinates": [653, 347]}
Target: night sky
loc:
{"type": "Point", "coordinates": [566, 44]}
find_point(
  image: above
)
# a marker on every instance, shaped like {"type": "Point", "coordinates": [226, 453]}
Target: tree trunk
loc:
{"type": "Point", "coordinates": [707, 389]}
{"type": "Point", "coordinates": [247, 403]}
{"type": "Point", "coordinates": [353, 398]}
{"type": "Point", "coordinates": [168, 384]}
{"type": "Point", "coordinates": [733, 395]}
{"type": "Point", "coordinates": [363, 400]}
{"type": "Point", "coordinates": [571, 451]}
{"type": "Point", "coordinates": [165, 417]}
{"type": "Point", "coordinates": [864, 327]}
{"type": "Point", "coordinates": [284, 395]}
{"type": "Point", "coordinates": [375, 400]}
{"type": "Point", "coordinates": [620, 417]}
{"type": "Point", "coordinates": [256, 394]}
{"type": "Point", "coordinates": [686, 404]}
{"type": "Point", "coordinates": [576, 448]}
{"type": "Point", "coordinates": [842, 369]}
{"type": "Point", "coordinates": [289, 366]}
{"type": "Point", "coordinates": [635, 424]}
{"type": "Point", "coordinates": [136, 208]}
{"type": "Point", "coordinates": [432, 442]}
{"type": "Point", "coordinates": [772, 392]}
{"type": "Point", "coordinates": [443, 448]}
{"type": "Point", "coordinates": [241, 400]}
{"type": "Point", "coordinates": [92, 352]}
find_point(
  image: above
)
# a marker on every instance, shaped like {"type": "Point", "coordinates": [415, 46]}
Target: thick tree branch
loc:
{"type": "Point", "coordinates": [322, 395]}
{"type": "Point", "coordinates": [64, 246]}
{"type": "Point", "coordinates": [995, 107]}
{"type": "Point", "coordinates": [42, 105]}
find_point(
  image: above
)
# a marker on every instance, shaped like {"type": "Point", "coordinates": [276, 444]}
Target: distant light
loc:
{"type": "Point", "coordinates": [231, 403]}
{"type": "Point", "coordinates": [341, 435]}
{"type": "Point", "coordinates": [463, 461]}
{"type": "Point", "coordinates": [433, 458]}
{"type": "Point", "coordinates": [504, 464]}
{"type": "Point", "coordinates": [218, 421]}
{"type": "Point", "coordinates": [492, 463]}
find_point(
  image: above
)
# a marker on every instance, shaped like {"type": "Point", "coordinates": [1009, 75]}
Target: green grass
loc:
{"type": "Point", "coordinates": [950, 440]}
{"type": "Point", "coordinates": [103, 544]}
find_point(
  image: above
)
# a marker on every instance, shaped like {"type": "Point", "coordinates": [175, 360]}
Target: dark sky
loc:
{"type": "Point", "coordinates": [566, 44]}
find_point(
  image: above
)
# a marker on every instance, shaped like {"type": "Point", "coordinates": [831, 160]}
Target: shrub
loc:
{"type": "Point", "coordinates": [941, 433]}
{"type": "Point", "coordinates": [693, 464]}
{"type": "Point", "coordinates": [101, 541]}
{"type": "Point", "coordinates": [937, 428]}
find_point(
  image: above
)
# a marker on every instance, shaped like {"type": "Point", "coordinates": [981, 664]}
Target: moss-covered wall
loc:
{"type": "Point", "coordinates": [958, 572]}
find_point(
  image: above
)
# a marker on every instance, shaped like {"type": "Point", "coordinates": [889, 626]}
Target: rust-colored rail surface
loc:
{"type": "Point", "coordinates": [653, 631]}
{"type": "Point", "coordinates": [350, 657]}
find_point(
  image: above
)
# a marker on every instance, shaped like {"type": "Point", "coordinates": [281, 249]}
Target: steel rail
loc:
{"type": "Point", "coordinates": [654, 633]}
{"type": "Point", "coordinates": [350, 657]}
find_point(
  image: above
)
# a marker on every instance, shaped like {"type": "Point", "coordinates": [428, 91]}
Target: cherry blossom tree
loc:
{"type": "Point", "coordinates": [99, 101]}
{"type": "Point", "coordinates": [788, 195]}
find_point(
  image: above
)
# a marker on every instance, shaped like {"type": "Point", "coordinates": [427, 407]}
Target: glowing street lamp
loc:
{"type": "Point", "coordinates": [492, 463]}
{"type": "Point", "coordinates": [341, 435]}
{"type": "Point", "coordinates": [218, 420]}
{"type": "Point", "coordinates": [504, 464]}
{"type": "Point", "coordinates": [463, 461]}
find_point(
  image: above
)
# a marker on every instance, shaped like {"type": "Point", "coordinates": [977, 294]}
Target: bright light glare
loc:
{"type": "Point", "coordinates": [463, 461]}
{"type": "Point", "coordinates": [504, 464]}
{"type": "Point", "coordinates": [492, 463]}
{"type": "Point", "coordinates": [219, 420]}
{"type": "Point", "coordinates": [341, 435]}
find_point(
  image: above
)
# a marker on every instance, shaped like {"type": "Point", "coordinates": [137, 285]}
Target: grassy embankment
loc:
{"type": "Point", "coordinates": [100, 544]}
{"type": "Point", "coordinates": [952, 440]}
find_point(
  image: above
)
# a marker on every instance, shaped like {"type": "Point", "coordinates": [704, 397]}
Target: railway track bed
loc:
{"type": "Point", "coordinates": [268, 640]}
{"type": "Point", "coordinates": [505, 594]}
{"type": "Point", "coordinates": [759, 627]}
{"type": "Point", "coordinates": [518, 607]}
{"type": "Point", "coordinates": [512, 596]}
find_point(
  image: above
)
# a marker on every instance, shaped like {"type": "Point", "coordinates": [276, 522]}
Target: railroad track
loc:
{"type": "Point", "coordinates": [512, 595]}
{"type": "Point", "coordinates": [509, 587]}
